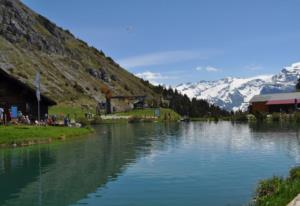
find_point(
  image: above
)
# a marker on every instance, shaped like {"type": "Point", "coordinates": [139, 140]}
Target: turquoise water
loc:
{"type": "Point", "coordinates": [209, 164]}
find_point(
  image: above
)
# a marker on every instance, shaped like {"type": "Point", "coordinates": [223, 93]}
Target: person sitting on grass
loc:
{"type": "Point", "coordinates": [27, 120]}
{"type": "Point", "coordinates": [49, 121]}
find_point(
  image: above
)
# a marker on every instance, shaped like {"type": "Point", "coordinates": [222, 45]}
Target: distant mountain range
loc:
{"type": "Point", "coordinates": [234, 93]}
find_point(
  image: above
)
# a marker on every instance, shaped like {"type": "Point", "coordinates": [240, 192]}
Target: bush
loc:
{"type": "Point", "coordinates": [251, 117]}
{"type": "Point", "coordinates": [96, 120]}
{"type": "Point", "coordinates": [215, 118]}
{"type": "Point", "coordinates": [276, 117]}
{"type": "Point", "coordinates": [240, 117]}
{"type": "Point", "coordinates": [278, 191]}
{"type": "Point", "coordinates": [296, 116]}
{"type": "Point", "coordinates": [83, 121]}
{"type": "Point", "coordinates": [286, 117]}
{"type": "Point", "coordinates": [260, 116]}
{"type": "Point", "coordinates": [268, 187]}
{"type": "Point", "coordinates": [295, 173]}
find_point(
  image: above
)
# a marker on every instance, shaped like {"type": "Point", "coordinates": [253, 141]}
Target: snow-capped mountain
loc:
{"type": "Point", "coordinates": [233, 93]}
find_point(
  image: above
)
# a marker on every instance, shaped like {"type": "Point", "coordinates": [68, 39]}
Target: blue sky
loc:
{"type": "Point", "coordinates": [175, 41]}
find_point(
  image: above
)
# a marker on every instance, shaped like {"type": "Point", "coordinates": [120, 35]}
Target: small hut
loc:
{"type": "Point", "coordinates": [126, 103]}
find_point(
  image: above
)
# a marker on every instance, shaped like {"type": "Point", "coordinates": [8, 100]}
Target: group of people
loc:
{"type": "Point", "coordinates": [23, 119]}
{"type": "Point", "coordinates": [8, 117]}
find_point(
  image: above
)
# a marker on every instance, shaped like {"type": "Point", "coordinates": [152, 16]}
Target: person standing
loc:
{"type": "Point", "coordinates": [1, 114]}
{"type": "Point", "coordinates": [9, 116]}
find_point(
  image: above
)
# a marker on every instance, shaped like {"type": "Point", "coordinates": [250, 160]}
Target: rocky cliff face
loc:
{"type": "Point", "coordinates": [233, 93]}
{"type": "Point", "coordinates": [71, 71]}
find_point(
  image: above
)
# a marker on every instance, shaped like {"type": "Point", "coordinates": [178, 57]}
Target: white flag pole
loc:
{"type": "Point", "coordinates": [38, 93]}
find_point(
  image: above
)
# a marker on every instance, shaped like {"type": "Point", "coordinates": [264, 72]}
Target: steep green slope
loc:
{"type": "Point", "coordinates": [71, 71]}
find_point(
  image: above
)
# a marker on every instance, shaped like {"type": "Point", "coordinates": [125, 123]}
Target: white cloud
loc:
{"type": "Point", "coordinates": [208, 69]}
{"type": "Point", "coordinates": [152, 77]}
{"type": "Point", "coordinates": [166, 57]}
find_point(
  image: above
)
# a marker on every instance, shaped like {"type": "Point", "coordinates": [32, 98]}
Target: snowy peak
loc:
{"type": "Point", "coordinates": [234, 93]}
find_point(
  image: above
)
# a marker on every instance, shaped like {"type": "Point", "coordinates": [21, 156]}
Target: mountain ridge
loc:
{"type": "Point", "coordinates": [71, 70]}
{"type": "Point", "coordinates": [234, 93]}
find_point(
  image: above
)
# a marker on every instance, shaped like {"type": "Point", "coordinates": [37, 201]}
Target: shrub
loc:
{"type": "Point", "coordinates": [296, 116]}
{"type": "Point", "coordinates": [215, 118]}
{"type": "Point", "coordinates": [113, 77]}
{"type": "Point", "coordinates": [96, 120]}
{"type": "Point", "coordinates": [126, 87]}
{"type": "Point", "coordinates": [295, 173]}
{"type": "Point", "coordinates": [83, 121]}
{"type": "Point", "coordinates": [260, 116]}
{"type": "Point", "coordinates": [268, 187]}
{"type": "Point", "coordinates": [276, 117]}
{"type": "Point", "coordinates": [251, 117]}
{"type": "Point", "coordinates": [278, 191]}
{"type": "Point", "coordinates": [78, 88]}
{"type": "Point", "coordinates": [240, 117]}
{"type": "Point", "coordinates": [286, 117]}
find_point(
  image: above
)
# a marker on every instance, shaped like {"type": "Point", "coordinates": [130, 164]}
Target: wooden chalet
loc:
{"type": "Point", "coordinates": [18, 96]}
{"type": "Point", "coordinates": [125, 103]}
{"type": "Point", "coordinates": [280, 102]}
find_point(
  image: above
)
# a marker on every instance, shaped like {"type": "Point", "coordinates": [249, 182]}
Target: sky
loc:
{"type": "Point", "coordinates": [178, 41]}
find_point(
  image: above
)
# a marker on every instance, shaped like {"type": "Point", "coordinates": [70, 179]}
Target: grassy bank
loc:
{"type": "Point", "coordinates": [278, 191]}
{"type": "Point", "coordinates": [74, 111]}
{"type": "Point", "coordinates": [28, 135]}
{"type": "Point", "coordinates": [149, 113]}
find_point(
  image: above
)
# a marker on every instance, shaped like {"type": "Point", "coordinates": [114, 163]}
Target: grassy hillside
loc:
{"type": "Point", "coordinates": [71, 70]}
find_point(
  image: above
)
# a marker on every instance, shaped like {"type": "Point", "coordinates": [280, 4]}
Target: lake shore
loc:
{"type": "Point", "coordinates": [20, 136]}
{"type": "Point", "coordinates": [278, 191]}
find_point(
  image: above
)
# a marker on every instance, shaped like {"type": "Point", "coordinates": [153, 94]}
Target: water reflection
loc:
{"type": "Point", "coordinates": [71, 170]}
{"type": "Point", "coordinates": [279, 136]}
{"type": "Point", "coordinates": [150, 164]}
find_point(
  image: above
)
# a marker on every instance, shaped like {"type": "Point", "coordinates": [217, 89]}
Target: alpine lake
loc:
{"type": "Point", "coordinates": [147, 164]}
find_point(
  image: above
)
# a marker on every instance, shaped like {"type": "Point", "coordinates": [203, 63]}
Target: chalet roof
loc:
{"type": "Point", "coordinates": [287, 101]}
{"type": "Point", "coordinates": [276, 97]}
{"type": "Point", "coordinates": [20, 83]}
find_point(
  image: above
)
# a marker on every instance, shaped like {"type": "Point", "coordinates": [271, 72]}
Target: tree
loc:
{"type": "Point", "coordinates": [298, 85]}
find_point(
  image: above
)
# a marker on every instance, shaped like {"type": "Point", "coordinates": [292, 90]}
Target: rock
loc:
{"type": "Point", "coordinates": [295, 202]}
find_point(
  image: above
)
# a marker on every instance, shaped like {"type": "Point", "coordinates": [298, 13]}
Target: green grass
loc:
{"type": "Point", "coordinates": [23, 134]}
{"type": "Point", "coordinates": [278, 191]}
{"type": "Point", "coordinates": [165, 114]}
{"type": "Point", "coordinates": [74, 112]}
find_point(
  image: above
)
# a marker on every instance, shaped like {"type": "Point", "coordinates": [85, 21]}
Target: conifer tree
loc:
{"type": "Point", "coordinates": [298, 85]}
